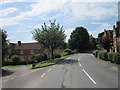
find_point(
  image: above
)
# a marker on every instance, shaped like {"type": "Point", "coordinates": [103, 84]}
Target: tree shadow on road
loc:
{"type": "Point", "coordinates": [7, 72]}
{"type": "Point", "coordinates": [68, 61]}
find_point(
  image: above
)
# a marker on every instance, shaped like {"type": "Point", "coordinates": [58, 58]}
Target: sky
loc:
{"type": "Point", "coordinates": [19, 17]}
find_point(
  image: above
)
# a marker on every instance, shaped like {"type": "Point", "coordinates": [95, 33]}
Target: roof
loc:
{"type": "Point", "coordinates": [27, 46]}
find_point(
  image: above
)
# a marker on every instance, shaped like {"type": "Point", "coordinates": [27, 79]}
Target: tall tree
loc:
{"type": "Point", "coordinates": [4, 44]}
{"type": "Point", "coordinates": [50, 36]}
{"type": "Point", "coordinates": [79, 39]}
{"type": "Point", "coordinates": [92, 42]}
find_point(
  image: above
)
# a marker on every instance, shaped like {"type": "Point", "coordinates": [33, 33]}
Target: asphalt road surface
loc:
{"type": "Point", "coordinates": [77, 71]}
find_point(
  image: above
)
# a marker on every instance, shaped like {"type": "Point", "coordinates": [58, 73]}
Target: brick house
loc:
{"type": "Point", "coordinates": [114, 37]}
{"type": "Point", "coordinates": [26, 50]}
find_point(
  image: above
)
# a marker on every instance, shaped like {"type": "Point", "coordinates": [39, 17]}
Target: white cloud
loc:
{"type": "Point", "coordinates": [37, 26]}
{"type": "Point", "coordinates": [90, 11]}
{"type": "Point", "coordinates": [100, 28]}
{"type": "Point", "coordinates": [70, 11]}
{"type": "Point", "coordinates": [68, 33]}
{"type": "Point", "coordinates": [7, 11]}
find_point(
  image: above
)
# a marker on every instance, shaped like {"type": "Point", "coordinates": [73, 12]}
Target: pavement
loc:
{"type": "Point", "coordinates": [77, 71]}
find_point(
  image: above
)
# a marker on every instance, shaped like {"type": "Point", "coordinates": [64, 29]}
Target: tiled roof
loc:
{"type": "Point", "coordinates": [28, 46]}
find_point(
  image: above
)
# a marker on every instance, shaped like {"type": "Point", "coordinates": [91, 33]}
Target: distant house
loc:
{"type": "Point", "coordinates": [26, 50]}
{"type": "Point", "coordinates": [114, 37]}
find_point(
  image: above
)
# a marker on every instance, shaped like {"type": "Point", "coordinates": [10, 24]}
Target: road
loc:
{"type": "Point", "coordinates": [77, 71]}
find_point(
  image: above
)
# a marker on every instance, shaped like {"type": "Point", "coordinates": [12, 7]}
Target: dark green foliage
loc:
{"type": "Point", "coordinates": [16, 59]}
{"type": "Point", "coordinates": [116, 58]}
{"type": "Point", "coordinates": [37, 58]}
{"type": "Point", "coordinates": [110, 56]}
{"type": "Point", "coordinates": [79, 39]}
{"type": "Point", "coordinates": [52, 36]}
{"type": "Point", "coordinates": [68, 51]}
{"type": "Point", "coordinates": [95, 53]}
{"type": "Point", "coordinates": [103, 55]}
{"type": "Point", "coordinates": [4, 44]}
{"type": "Point", "coordinates": [57, 55]}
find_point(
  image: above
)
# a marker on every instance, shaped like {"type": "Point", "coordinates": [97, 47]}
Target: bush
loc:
{"type": "Point", "coordinates": [116, 58]}
{"type": "Point", "coordinates": [103, 55]}
{"type": "Point", "coordinates": [68, 51]}
{"type": "Point", "coordinates": [39, 58]}
{"type": "Point", "coordinates": [57, 55]}
{"type": "Point", "coordinates": [16, 59]}
{"type": "Point", "coordinates": [95, 53]}
{"type": "Point", "coordinates": [110, 56]}
{"type": "Point", "coordinates": [74, 51]}
{"type": "Point", "coordinates": [45, 57]}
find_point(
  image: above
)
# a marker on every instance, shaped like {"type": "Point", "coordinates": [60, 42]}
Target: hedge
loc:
{"type": "Point", "coordinates": [108, 56]}
{"type": "Point", "coordinates": [96, 53]}
{"type": "Point", "coordinates": [103, 55]}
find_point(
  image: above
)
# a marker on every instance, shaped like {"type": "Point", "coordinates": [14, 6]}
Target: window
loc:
{"type": "Point", "coordinates": [21, 51]}
{"type": "Point", "coordinates": [32, 51]}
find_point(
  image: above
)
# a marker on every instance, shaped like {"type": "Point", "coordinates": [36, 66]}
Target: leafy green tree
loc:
{"type": "Point", "coordinates": [50, 36]}
{"type": "Point", "coordinates": [92, 42]}
{"type": "Point", "coordinates": [4, 44]}
{"type": "Point", "coordinates": [79, 39]}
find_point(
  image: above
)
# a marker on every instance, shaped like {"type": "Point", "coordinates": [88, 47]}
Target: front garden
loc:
{"type": "Point", "coordinates": [39, 60]}
{"type": "Point", "coordinates": [113, 57]}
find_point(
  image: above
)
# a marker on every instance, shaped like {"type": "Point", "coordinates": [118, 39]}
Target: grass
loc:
{"type": "Point", "coordinates": [16, 65]}
{"type": "Point", "coordinates": [47, 63]}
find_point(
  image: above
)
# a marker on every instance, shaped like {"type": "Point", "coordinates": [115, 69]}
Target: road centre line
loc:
{"type": "Point", "coordinates": [43, 75]}
{"type": "Point", "coordinates": [89, 76]}
{"type": "Point", "coordinates": [79, 62]}
{"type": "Point", "coordinates": [53, 65]}
{"type": "Point", "coordinates": [49, 69]}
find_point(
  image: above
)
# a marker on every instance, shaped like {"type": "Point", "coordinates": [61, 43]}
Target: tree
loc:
{"type": "Point", "coordinates": [4, 44]}
{"type": "Point", "coordinates": [79, 39]}
{"type": "Point", "coordinates": [92, 42]}
{"type": "Point", "coordinates": [50, 36]}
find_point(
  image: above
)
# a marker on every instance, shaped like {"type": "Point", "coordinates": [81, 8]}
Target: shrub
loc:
{"type": "Point", "coordinates": [110, 56]}
{"type": "Point", "coordinates": [45, 57]}
{"type": "Point", "coordinates": [95, 53]}
{"type": "Point", "coordinates": [57, 55]}
{"type": "Point", "coordinates": [74, 51]}
{"type": "Point", "coordinates": [37, 58]}
{"type": "Point", "coordinates": [103, 55]}
{"type": "Point", "coordinates": [116, 58]}
{"type": "Point", "coordinates": [16, 59]}
{"type": "Point", "coordinates": [68, 51]}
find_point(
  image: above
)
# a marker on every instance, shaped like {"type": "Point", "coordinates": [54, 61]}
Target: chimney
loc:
{"type": "Point", "coordinates": [19, 43]}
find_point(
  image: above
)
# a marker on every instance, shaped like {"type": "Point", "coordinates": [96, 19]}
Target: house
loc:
{"type": "Point", "coordinates": [26, 50]}
{"type": "Point", "coordinates": [116, 37]}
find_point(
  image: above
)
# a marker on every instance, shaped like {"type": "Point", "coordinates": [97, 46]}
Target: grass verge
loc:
{"type": "Point", "coordinates": [16, 65]}
{"type": "Point", "coordinates": [48, 63]}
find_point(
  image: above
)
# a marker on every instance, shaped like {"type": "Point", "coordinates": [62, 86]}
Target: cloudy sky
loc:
{"type": "Point", "coordinates": [19, 18]}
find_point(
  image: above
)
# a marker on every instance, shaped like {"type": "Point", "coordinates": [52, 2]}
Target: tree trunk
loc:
{"type": "Point", "coordinates": [51, 56]}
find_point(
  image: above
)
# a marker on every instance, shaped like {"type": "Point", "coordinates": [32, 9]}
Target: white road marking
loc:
{"type": "Point", "coordinates": [91, 54]}
{"type": "Point", "coordinates": [89, 76]}
{"type": "Point", "coordinates": [79, 62]}
{"type": "Point", "coordinates": [49, 69]}
{"type": "Point", "coordinates": [53, 65]}
{"type": "Point", "coordinates": [43, 75]}
{"type": "Point", "coordinates": [20, 75]}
